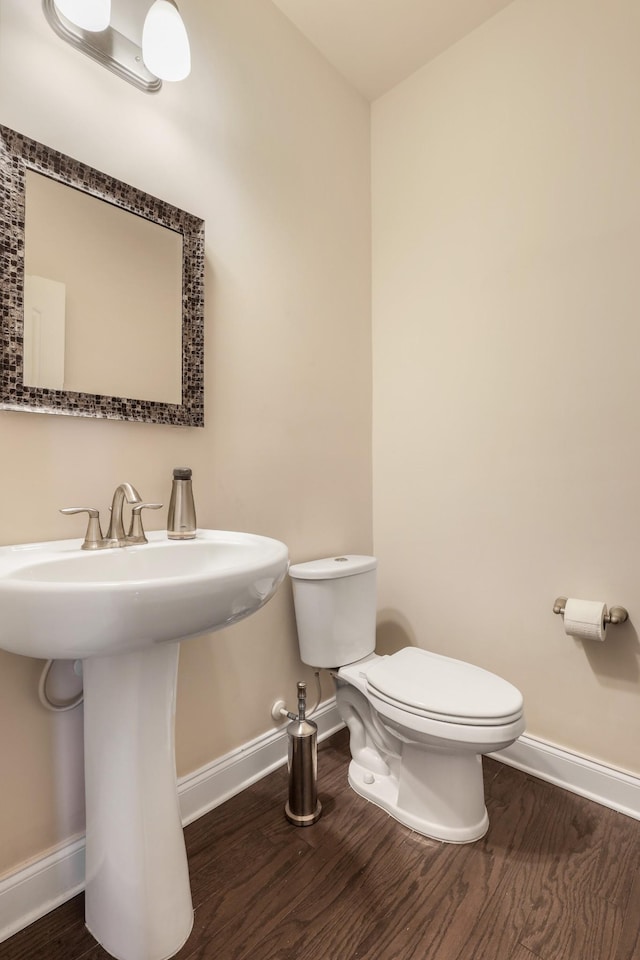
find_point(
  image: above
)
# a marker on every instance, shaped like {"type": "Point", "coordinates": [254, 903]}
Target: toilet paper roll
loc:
{"type": "Point", "coordinates": [585, 619]}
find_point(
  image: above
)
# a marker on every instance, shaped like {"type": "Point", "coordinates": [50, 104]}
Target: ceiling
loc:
{"type": "Point", "coordinates": [375, 44]}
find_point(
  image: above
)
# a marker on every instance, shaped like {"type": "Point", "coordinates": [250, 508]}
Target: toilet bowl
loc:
{"type": "Point", "coordinates": [418, 722]}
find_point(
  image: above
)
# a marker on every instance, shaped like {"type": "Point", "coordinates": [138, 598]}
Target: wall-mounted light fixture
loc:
{"type": "Point", "coordinates": [165, 44]}
{"type": "Point", "coordinates": [164, 54]}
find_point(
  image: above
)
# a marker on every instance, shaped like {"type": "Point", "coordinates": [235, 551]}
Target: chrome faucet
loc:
{"type": "Point", "coordinates": [116, 536]}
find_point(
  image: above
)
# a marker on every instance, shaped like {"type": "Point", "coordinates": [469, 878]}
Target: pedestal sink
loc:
{"type": "Point", "coordinates": [123, 612]}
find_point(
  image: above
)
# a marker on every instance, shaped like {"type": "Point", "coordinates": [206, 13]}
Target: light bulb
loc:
{"type": "Point", "coordinates": [91, 15]}
{"type": "Point", "coordinates": [165, 44]}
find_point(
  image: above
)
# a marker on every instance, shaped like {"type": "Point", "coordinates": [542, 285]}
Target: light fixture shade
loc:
{"type": "Point", "coordinates": [165, 44]}
{"type": "Point", "coordinates": [91, 15]}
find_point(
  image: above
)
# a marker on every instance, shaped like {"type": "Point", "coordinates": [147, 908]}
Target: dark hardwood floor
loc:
{"type": "Point", "coordinates": [556, 878]}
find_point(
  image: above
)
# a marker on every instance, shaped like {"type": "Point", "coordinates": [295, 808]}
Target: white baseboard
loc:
{"type": "Point", "coordinates": [610, 787]}
{"type": "Point", "coordinates": [46, 883]}
{"type": "Point", "coordinates": [40, 887]}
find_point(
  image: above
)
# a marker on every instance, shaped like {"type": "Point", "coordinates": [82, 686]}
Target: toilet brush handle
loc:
{"type": "Point", "coordinates": [302, 700]}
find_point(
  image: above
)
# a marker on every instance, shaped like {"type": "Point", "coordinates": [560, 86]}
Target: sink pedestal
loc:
{"type": "Point", "coordinates": [120, 612]}
{"type": "Point", "coordinates": [138, 896]}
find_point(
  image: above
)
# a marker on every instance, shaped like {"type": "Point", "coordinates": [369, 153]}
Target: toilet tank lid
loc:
{"type": "Point", "coordinates": [331, 568]}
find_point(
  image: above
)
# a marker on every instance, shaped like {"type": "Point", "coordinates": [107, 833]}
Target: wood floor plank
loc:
{"type": "Point", "coordinates": [561, 849]}
{"type": "Point", "coordinates": [57, 936]}
{"type": "Point", "coordinates": [618, 858]}
{"type": "Point", "coordinates": [584, 926]}
{"type": "Point", "coordinates": [569, 918]}
{"type": "Point", "coordinates": [342, 905]}
{"type": "Point", "coordinates": [521, 953]}
{"type": "Point", "coordinates": [629, 942]}
{"type": "Point", "coordinates": [244, 906]}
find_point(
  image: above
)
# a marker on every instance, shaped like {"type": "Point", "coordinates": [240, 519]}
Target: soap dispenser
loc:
{"type": "Point", "coordinates": [181, 522]}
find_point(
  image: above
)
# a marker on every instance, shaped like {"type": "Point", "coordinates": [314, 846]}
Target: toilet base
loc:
{"type": "Point", "coordinates": [431, 785]}
{"type": "Point", "coordinates": [384, 791]}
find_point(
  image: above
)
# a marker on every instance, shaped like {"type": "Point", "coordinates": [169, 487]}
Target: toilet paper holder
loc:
{"type": "Point", "coordinates": [615, 614]}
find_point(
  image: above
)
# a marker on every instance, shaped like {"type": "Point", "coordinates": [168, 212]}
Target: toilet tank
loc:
{"type": "Point", "coordinates": [335, 604]}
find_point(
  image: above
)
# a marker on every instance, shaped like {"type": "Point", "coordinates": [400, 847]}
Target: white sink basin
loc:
{"type": "Point", "coordinates": [123, 612]}
{"type": "Point", "coordinates": [59, 601]}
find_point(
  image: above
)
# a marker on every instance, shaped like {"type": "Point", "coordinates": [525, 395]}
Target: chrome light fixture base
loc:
{"type": "Point", "coordinates": [108, 47]}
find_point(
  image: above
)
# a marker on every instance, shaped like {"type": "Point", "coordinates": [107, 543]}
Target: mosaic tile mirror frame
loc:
{"type": "Point", "coordinates": [18, 155]}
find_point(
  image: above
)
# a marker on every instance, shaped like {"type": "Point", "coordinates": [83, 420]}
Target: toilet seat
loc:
{"type": "Point", "coordinates": [440, 688]}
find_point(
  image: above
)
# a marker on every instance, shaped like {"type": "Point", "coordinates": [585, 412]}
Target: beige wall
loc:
{"type": "Point", "coordinates": [506, 225]}
{"type": "Point", "coordinates": [270, 147]}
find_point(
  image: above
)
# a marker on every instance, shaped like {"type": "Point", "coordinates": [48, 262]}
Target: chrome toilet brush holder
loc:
{"type": "Point", "coordinates": [302, 807]}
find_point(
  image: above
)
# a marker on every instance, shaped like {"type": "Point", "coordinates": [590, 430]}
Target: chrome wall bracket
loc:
{"type": "Point", "coordinates": [109, 47]}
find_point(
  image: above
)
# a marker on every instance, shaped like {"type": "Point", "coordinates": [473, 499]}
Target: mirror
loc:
{"type": "Point", "coordinates": [127, 341]}
{"type": "Point", "coordinates": [102, 305]}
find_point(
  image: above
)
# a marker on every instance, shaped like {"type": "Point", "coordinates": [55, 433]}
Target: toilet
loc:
{"type": "Point", "coordinates": [418, 722]}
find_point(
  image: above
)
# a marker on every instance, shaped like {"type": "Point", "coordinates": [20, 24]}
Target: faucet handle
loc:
{"type": "Point", "coordinates": [93, 539]}
{"type": "Point", "coordinates": [136, 531]}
